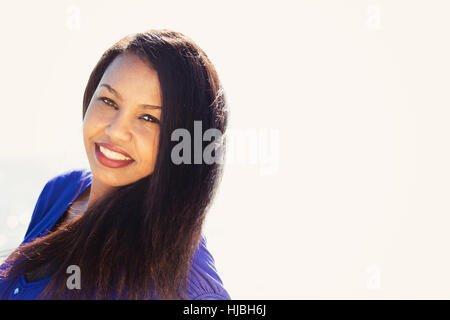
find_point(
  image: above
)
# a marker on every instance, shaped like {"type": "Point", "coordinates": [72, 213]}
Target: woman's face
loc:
{"type": "Point", "coordinates": [124, 111]}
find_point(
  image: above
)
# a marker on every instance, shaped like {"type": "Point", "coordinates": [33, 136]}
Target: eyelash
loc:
{"type": "Point", "coordinates": [111, 103]}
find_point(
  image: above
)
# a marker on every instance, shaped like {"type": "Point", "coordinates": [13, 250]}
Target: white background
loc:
{"type": "Point", "coordinates": [356, 93]}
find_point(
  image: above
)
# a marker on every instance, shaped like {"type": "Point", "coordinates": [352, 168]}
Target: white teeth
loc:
{"type": "Point", "coordinates": [112, 155]}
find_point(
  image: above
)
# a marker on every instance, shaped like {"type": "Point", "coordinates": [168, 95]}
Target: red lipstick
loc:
{"type": "Point", "coordinates": [111, 163]}
{"type": "Point", "coordinates": [113, 148]}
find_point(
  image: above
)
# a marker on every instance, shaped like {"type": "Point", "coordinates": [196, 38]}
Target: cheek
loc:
{"type": "Point", "coordinates": [149, 149]}
{"type": "Point", "coordinates": [92, 122]}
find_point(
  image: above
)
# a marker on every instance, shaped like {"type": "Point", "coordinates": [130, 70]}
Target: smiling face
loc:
{"type": "Point", "coordinates": [124, 111]}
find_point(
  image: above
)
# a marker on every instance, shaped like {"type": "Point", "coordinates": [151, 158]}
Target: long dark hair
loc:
{"type": "Point", "coordinates": [137, 242]}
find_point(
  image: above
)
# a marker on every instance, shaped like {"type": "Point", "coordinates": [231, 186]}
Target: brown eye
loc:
{"type": "Point", "coordinates": [151, 118]}
{"type": "Point", "coordinates": [107, 101]}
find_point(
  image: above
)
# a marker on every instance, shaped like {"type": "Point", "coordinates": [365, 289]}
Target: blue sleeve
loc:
{"type": "Point", "coordinates": [204, 281]}
{"type": "Point", "coordinates": [46, 199]}
{"type": "Point", "coordinates": [41, 206]}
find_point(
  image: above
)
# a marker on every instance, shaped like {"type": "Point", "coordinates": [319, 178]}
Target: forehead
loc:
{"type": "Point", "coordinates": [132, 77]}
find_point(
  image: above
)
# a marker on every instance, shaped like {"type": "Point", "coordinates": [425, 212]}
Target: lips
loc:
{"type": "Point", "coordinates": [114, 148]}
{"type": "Point", "coordinates": [111, 163]}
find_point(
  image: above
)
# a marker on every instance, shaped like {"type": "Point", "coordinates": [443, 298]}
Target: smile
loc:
{"type": "Point", "coordinates": [110, 158]}
{"type": "Point", "coordinates": [113, 155]}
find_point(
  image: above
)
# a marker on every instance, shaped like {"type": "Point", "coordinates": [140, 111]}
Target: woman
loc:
{"type": "Point", "coordinates": [132, 227]}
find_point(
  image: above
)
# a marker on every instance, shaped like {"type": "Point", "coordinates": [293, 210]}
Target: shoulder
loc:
{"type": "Point", "coordinates": [53, 191]}
{"type": "Point", "coordinates": [57, 185]}
{"type": "Point", "coordinates": [204, 282]}
{"type": "Point", "coordinates": [64, 178]}
{"type": "Point", "coordinates": [70, 175]}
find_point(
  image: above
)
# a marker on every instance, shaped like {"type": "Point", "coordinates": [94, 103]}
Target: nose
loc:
{"type": "Point", "coordinates": [119, 129]}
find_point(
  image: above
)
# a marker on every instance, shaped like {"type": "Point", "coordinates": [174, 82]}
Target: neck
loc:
{"type": "Point", "coordinates": [96, 190]}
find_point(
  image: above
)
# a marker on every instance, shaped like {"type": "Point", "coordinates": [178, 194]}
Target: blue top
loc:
{"type": "Point", "coordinates": [203, 281]}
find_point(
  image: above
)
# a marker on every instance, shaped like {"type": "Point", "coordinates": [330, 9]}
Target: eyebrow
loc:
{"type": "Point", "coordinates": [117, 94]}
